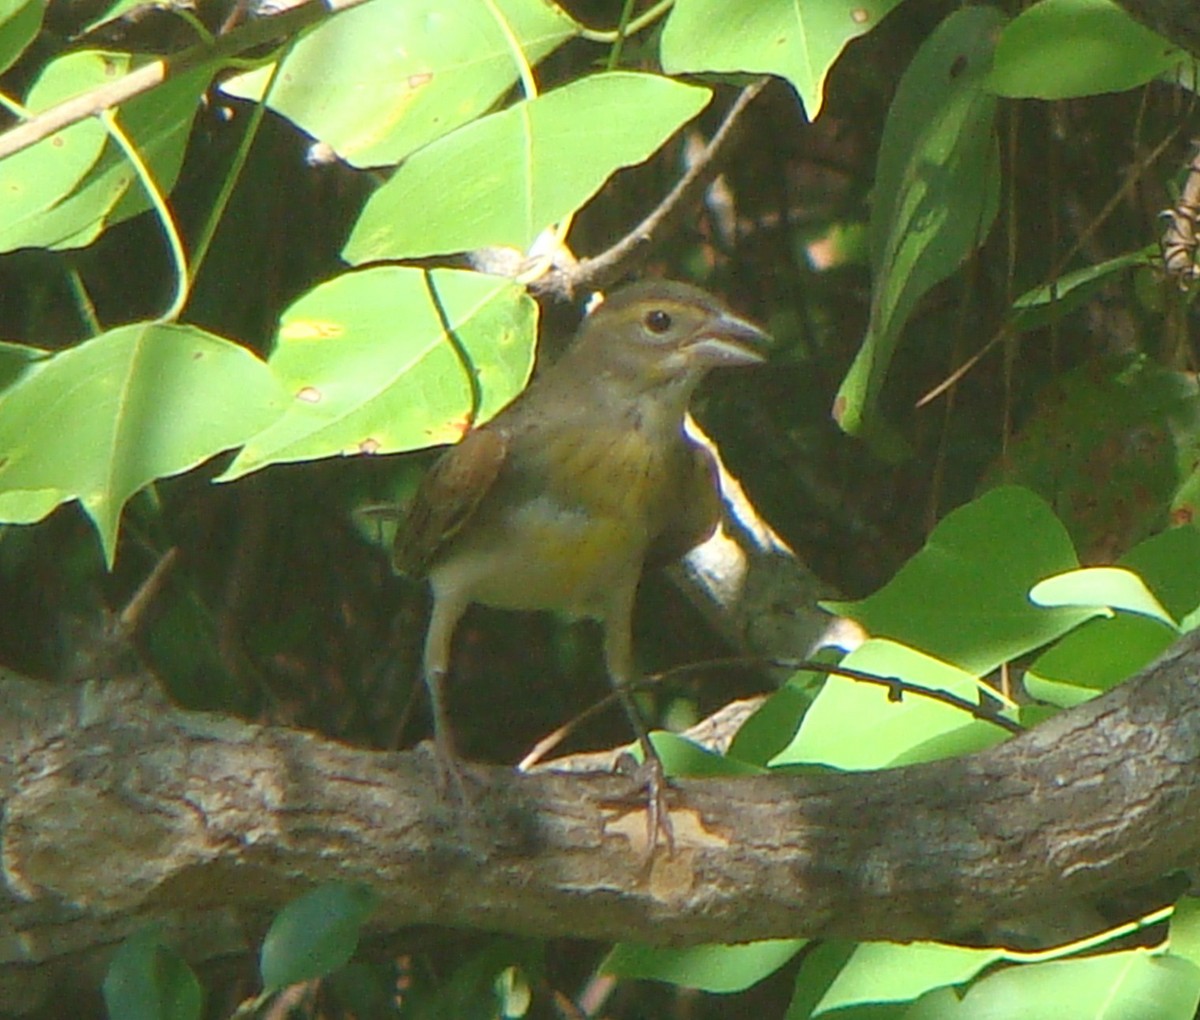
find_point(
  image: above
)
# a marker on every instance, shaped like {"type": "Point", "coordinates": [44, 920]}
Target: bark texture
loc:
{"type": "Point", "coordinates": [119, 810]}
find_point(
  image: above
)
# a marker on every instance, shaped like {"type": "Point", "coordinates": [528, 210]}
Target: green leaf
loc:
{"type": "Point", "coordinates": [33, 180]}
{"type": "Point", "coordinates": [106, 190]}
{"type": "Point", "coordinates": [379, 81]}
{"type": "Point", "coordinates": [1103, 652]}
{"type": "Point", "coordinates": [314, 935]}
{"type": "Point", "coordinates": [720, 969]}
{"type": "Point", "coordinates": [964, 597]}
{"type": "Point", "coordinates": [100, 420]}
{"type": "Point", "coordinates": [1048, 303]}
{"type": "Point", "coordinates": [935, 197]}
{"type": "Point", "coordinates": [1131, 985]}
{"type": "Point", "coordinates": [887, 972]}
{"type": "Point", "coordinates": [683, 757]}
{"type": "Point", "coordinates": [799, 42]}
{"type": "Point", "coordinates": [148, 980]}
{"type": "Point", "coordinates": [1061, 49]}
{"type": "Point", "coordinates": [504, 178]}
{"type": "Point", "coordinates": [20, 21]}
{"type": "Point", "coordinates": [818, 970]}
{"type": "Point", "coordinates": [855, 725]}
{"type": "Point", "coordinates": [1184, 938]}
{"type": "Point", "coordinates": [371, 369]}
{"type": "Point", "coordinates": [1101, 587]}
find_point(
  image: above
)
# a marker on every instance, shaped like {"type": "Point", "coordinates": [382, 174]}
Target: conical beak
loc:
{"type": "Point", "coordinates": [729, 341]}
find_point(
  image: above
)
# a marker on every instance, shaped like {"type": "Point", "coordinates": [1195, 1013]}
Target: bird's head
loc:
{"type": "Point", "coordinates": [663, 336]}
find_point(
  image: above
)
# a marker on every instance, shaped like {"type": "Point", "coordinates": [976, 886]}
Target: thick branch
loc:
{"type": "Point", "coordinates": [118, 810]}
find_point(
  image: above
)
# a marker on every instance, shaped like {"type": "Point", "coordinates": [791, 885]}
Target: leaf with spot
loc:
{"type": "Point", "coordinates": [101, 420]}
{"type": "Point", "coordinates": [797, 41]}
{"type": "Point", "coordinates": [372, 367]}
{"type": "Point", "coordinates": [381, 80]}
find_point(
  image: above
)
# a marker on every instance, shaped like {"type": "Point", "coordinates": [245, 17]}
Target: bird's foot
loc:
{"type": "Point", "coordinates": [651, 780]}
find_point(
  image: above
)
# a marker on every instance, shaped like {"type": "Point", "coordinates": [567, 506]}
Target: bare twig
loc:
{"type": "Point", "coordinates": [608, 267]}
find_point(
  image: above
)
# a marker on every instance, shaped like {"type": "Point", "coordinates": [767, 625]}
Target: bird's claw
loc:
{"type": "Point", "coordinates": [649, 777]}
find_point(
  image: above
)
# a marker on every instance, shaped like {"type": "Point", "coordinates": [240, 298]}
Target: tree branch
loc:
{"type": "Point", "coordinates": [119, 811]}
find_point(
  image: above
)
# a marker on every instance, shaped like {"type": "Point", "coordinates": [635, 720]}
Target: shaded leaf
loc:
{"type": "Point", "coordinates": [1061, 49]}
{"type": "Point", "coordinates": [148, 980]}
{"type": "Point", "coordinates": [714, 968]}
{"type": "Point", "coordinates": [935, 197]}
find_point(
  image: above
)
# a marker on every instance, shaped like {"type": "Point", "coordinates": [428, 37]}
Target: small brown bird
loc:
{"type": "Point", "coordinates": [559, 501]}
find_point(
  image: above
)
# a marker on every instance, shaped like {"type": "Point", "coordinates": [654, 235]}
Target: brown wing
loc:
{"type": "Point", "coordinates": [447, 497]}
{"type": "Point", "coordinates": [699, 510]}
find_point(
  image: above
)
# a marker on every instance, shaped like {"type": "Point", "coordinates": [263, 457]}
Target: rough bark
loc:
{"type": "Point", "coordinates": [119, 810]}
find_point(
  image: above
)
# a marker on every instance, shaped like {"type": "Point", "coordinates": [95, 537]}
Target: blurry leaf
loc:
{"type": "Point", "coordinates": [370, 368]}
{"type": "Point", "coordinates": [148, 980]}
{"type": "Point", "coordinates": [796, 41]}
{"type": "Point", "coordinates": [314, 935]}
{"type": "Point", "coordinates": [16, 360]}
{"type": "Point", "coordinates": [20, 21]}
{"type": "Point", "coordinates": [683, 757]}
{"type": "Point", "coordinates": [964, 597]}
{"type": "Point", "coordinates": [100, 420]}
{"type": "Point", "coordinates": [1050, 302]}
{"type": "Point", "coordinates": [1184, 939]}
{"type": "Point", "coordinates": [504, 178]}
{"type": "Point", "coordinates": [1061, 49]}
{"type": "Point", "coordinates": [720, 969]}
{"type": "Point", "coordinates": [379, 81]}
{"type": "Point", "coordinates": [774, 723]}
{"type": "Point", "coordinates": [818, 970]}
{"type": "Point", "coordinates": [888, 972]}
{"type": "Point", "coordinates": [935, 196]}
{"type": "Point", "coordinates": [856, 725]}
{"type": "Point", "coordinates": [1131, 985]}
{"type": "Point", "coordinates": [1105, 445]}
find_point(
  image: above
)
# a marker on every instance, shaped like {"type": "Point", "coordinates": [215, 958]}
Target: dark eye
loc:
{"type": "Point", "coordinates": [658, 321]}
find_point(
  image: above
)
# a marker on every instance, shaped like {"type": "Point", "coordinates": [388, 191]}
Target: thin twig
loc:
{"type": "Point", "coordinates": [89, 104]}
{"type": "Point", "coordinates": [608, 267]}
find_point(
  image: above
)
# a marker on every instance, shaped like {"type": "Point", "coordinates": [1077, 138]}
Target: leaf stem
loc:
{"type": "Point", "coordinates": [636, 25]}
{"type": "Point", "coordinates": [158, 201]}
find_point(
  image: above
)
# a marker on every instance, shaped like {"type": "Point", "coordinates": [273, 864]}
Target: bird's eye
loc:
{"type": "Point", "coordinates": [658, 321]}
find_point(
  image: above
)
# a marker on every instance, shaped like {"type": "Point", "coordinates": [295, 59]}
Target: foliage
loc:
{"type": "Point", "coordinates": [913, 226]}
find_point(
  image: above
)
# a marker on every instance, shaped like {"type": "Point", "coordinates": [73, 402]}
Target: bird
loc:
{"type": "Point", "coordinates": [563, 498]}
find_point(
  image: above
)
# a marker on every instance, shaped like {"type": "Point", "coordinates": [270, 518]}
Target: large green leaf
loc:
{"type": "Point", "coordinates": [964, 597]}
{"type": "Point", "coordinates": [372, 369]}
{"type": "Point", "coordinates": [1132, 985]}
{"type": "Point", "coordinates": [381, 80]}
{"type": "Point", "coordinates": [936, 193]}
{"type": "Point", "coordinates": [508, 176]}
{"type": "Point", "coordinates": [1060, 49]}
{"type": "Point", "coordinates": [100, 420]}
{"type": "Point", "coordinates": [888, 972]}
{"type": "Point", "coordinates": [710, 968]}
{"type": "Point", "coordinates": [799, 41]}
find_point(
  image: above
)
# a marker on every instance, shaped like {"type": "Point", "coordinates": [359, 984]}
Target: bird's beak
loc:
{"type": "Point", "coordinates": [728, 341]}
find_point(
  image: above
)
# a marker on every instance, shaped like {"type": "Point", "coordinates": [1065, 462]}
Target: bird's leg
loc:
{"type": "Point", "coordinates": [618, 657]}
{"type": "Point", "coordinates": [443, 620]}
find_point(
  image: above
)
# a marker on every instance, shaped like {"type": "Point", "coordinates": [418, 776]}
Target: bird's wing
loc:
{"type": "Point", "coordinates": [697, 513]}
{"type": "Point", "coordinates": [447, 497]}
